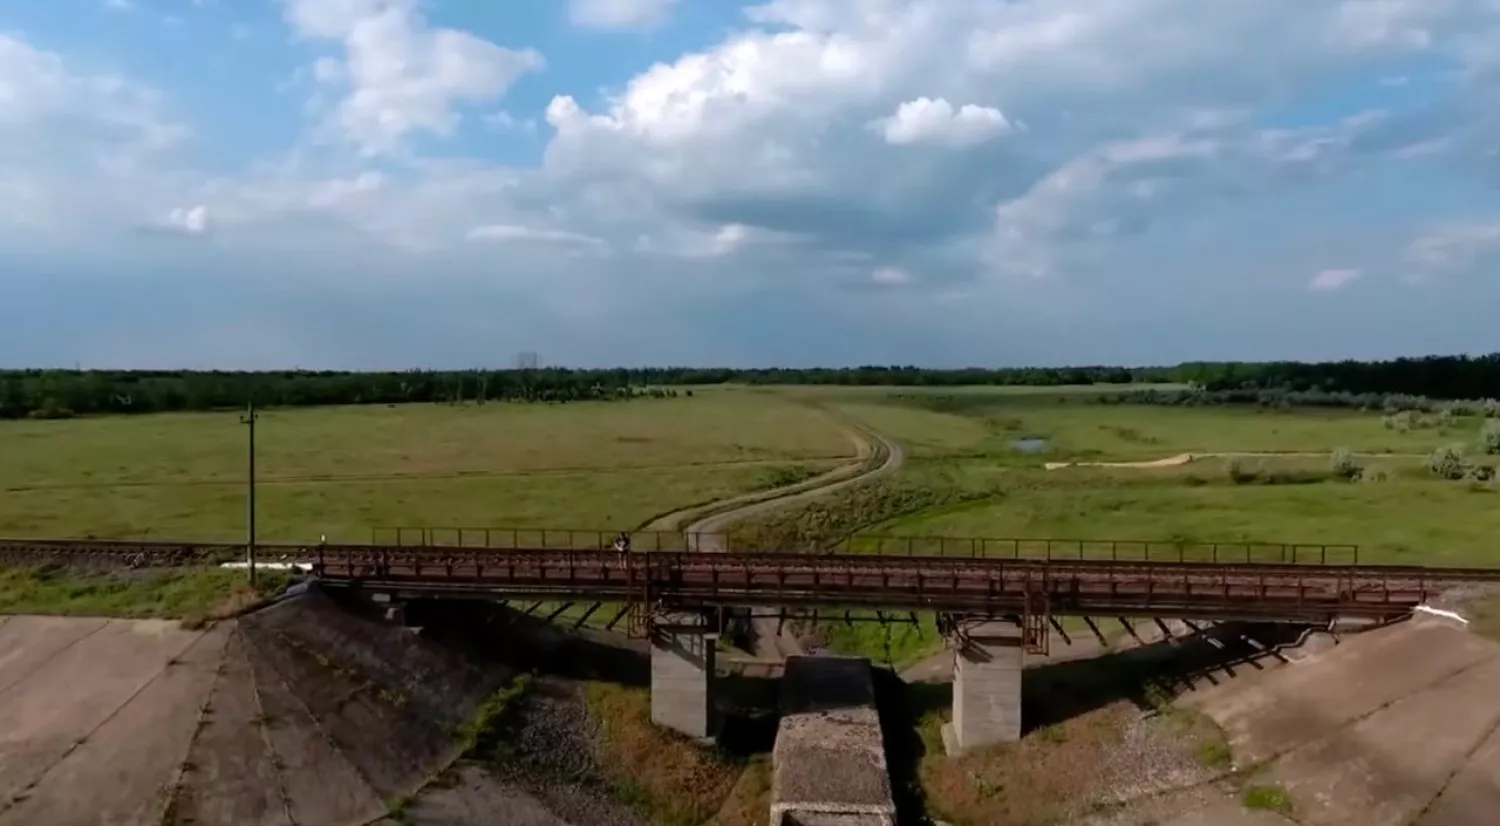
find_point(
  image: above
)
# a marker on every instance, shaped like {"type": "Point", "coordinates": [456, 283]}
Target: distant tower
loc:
{"type": "Point", "coordinates": [526, 360]}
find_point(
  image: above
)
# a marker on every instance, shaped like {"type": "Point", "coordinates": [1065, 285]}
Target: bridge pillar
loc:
{"type": "Point", "coordinates": [987, 662]}
{"type": "Point", "coordinates": [682, 674]}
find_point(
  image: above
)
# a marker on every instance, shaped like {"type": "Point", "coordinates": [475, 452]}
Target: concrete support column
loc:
{"type": "Point", "coordinates": [987, 664]}
{"type": "Point", "coordinates": [682, 674]}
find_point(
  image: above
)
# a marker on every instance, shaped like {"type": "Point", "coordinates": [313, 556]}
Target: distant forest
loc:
{"type": "Point", "coordinates": [64, 393]}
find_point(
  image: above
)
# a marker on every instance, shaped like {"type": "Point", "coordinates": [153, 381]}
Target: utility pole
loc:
{"type": "Point", "coordinates": [249, 419]}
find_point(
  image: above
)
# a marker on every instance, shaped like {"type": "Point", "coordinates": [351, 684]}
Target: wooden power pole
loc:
{"type": "Point", "coordinates": [249, 419]}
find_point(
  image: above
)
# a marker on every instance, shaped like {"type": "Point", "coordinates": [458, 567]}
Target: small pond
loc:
{"type": "Point", "coordinates": [1030, 444]}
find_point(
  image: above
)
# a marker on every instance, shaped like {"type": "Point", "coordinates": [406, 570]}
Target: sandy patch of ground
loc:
{"type": "Point", "coordinates": [1188, 458]}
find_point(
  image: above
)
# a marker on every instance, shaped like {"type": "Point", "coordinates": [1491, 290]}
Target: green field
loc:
{"type": "Point", "coordinates": [965, 462]}
{"type": "Point", "coordinates": [342, 471]}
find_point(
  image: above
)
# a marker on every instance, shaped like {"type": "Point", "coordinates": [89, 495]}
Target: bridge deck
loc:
{"type": "Point", "coordinates": [689, 580]}
{"type": "Point", "coordinates": [692, 580]}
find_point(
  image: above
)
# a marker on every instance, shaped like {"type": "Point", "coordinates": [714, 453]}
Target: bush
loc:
{"type": "Point", "coordinates": [1373, 474]}
{"type": "Point", "coordinates": [1447, 463]}
{"type": "Point", "coordinates": [1489, 437]}
{"type": "Point", "coordinates": [1237, 472]}
{"type": "Point", "coordinates": [1345, 466]}
{"type": "Point", "coordinates": [1400, 422]}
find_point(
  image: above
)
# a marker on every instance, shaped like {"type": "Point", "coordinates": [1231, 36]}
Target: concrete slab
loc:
{"type": "Point", "coordinates": [233, 780]}
{"type": "Point", "coordinates": [27, 643]}
{"type": "Point", "coordinates": [62, 702]}
{"type": "Point", "coordinates": [1270, 713]}
{"type": "Point", "coordinates": [1384, 769]}
{"type": "Point", "coordinates": [1473, 794]}
{"type": "Point", "coordinates": [117, 775]}
{"type": "Point", "coordinates": [321, 785]}
{"type": "Point", "coordinates": [829, 759]}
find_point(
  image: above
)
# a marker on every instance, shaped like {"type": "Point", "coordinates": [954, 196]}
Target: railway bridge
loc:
{"type": "Point", "coordinates": [994, 611]}
{"type": "Point", "coordinates": [997, 600]}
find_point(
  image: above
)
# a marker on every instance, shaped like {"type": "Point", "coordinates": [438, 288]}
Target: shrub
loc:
{"type": "Point", "coordinates": [1489, 437]}
{"type": "Point", "coordinates": [1237, 472]}
{"type": "Point", "coordinates": [1344, 464]}
{"type": "Point", "coordinates": [1447, 463]}
{"type": "Point", "coordinates": [1373, 474]}
{"type": "Point", "coordinates": [1400, 422]}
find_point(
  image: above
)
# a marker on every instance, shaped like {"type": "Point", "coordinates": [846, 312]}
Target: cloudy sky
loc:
{"type": "Point", "coordinates": [394, 183]}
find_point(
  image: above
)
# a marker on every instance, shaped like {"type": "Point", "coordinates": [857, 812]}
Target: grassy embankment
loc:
{"type": "Point", "coordinates": [193, 594]}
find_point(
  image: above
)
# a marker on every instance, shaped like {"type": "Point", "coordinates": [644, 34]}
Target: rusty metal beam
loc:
{"type": "Point", "coordinates": [586, 614]}
{"type": "Point", "coordinates": [610, 626]}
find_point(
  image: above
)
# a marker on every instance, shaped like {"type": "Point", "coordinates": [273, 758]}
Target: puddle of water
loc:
{"type": "Point", "coordinates": [1029, 445]}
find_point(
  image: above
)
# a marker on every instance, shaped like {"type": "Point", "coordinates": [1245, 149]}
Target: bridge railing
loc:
{"type": "Point", "coordinates": [1113, 550]}
{"type": "Point", "coordinates": [551, 539]}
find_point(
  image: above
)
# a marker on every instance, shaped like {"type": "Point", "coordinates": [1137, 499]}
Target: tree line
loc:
{"type": "Point", "coordinates": [62, 393]}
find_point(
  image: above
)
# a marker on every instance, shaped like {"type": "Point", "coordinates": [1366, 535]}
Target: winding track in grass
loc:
{"type": "Point", "coordinates": [876, 456]}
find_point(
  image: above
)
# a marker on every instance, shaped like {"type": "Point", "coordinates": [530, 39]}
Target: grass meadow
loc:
{"type": "Point", "coordinates": [963, 451]}
{"type": "Point", "coordinates": [342, 471]}
{"type": "Point", "coordinates": [965, 477]}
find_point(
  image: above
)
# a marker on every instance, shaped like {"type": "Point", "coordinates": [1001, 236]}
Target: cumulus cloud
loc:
{"type": "Point", "coordinates": [928, 121]}
{"type": "Point", "coordinates": [746, 163]}
{"type": "Point", "coordinates": [404, 76]}
{"type": "Point", "coordinates": [620, 14]}
{"type": "Point", "coordinates": [70, 142]}
{"type": "Point", "coordinates": [1327, 281]}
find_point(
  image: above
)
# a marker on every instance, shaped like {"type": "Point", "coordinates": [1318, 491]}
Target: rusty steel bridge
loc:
{"type": "Point", "coordinates": [1032, 580]}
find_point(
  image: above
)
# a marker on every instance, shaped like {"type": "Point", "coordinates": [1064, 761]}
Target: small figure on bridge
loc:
{"type": "Point", "coordinates": [622, 543]}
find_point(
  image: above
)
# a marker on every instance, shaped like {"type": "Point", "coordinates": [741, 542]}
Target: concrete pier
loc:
{"type": "Point", "coordinates": [987, 665]}
{"type": "Point", "coordinates": [829, 760]}
{"type": "Point", "coordinates": [682, 675]}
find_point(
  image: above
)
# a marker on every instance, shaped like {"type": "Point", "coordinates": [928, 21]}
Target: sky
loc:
{"type": "Point", "coordinates": [356, 184]}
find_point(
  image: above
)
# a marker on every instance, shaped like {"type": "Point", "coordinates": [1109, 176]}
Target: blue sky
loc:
{"type": "Point", "coordinates": [399, 183]}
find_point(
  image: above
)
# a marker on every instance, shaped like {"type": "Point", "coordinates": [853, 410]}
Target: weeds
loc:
{"type": "Point", "coordinates": [483, 737]}
{"type": "Point", "coordinates": [198, 594]}
{"type": "Point", "coordinates": [1267, 799]}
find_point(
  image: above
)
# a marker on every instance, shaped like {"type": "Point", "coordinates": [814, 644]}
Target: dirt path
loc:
{"type": "Point", "coordinates": [1188, 458]}
{"type": "Point", "coordinates": [711, 521]}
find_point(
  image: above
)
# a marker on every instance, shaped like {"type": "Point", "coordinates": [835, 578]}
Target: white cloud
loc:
{"type": "Point", "coordinates": [119, 5]}
{"type": "Point", "coordinates": [1327, 281]}
{"type": "Point", "coordinates": [930, 121]}
{"type": "Point", "coordinates": [404, 76]}
{"type": "Point", "coordinates": [750, 164]}
{"type": "Point", "coordinates": [505, 233]}
{"type": "Point", "coordinates": [188, 221]}
{"type": "Point", "coordinates": [890, 276]}
{"type": "Point", "coordinates": [1452, 249]}
{"type": "Point", "coordinates": [620, 14]}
